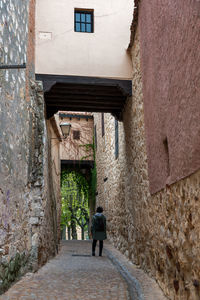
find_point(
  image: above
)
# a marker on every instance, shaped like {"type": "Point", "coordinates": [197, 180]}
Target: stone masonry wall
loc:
{"type": "Point", "coordinates": [26, 228]}
{"type": "Point", "coordinates": [159, 232]}
{"type": "Point", "coordinates": [54, 141]}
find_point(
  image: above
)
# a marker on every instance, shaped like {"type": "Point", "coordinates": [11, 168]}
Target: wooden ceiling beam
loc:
{"type": "Point", "coordinates": [86, 89]}
{"type": "Point", "coordinates": [79, 93]}
{"type": "Point", "coordinates": [83, 105]}
{"type": "Point", "coordinates": [49, 81]}
{"type": "Point", "coordinates": [86, 104]}
{"type": "Point", "coordinates": [81, 100]}
{"type": "Point", "coordinates": [84, 109]}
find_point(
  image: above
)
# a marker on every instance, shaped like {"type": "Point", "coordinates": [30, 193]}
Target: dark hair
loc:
{"type": "Point", "coordinates": [99, 209]}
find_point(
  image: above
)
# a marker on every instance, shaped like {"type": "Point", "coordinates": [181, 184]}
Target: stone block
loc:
{"type": "Point", "coordinates": [35, 240]}
{"type": "Point", "coordinates": [34, 221]}
{"type": "Point", "coordinates": [12, 266]}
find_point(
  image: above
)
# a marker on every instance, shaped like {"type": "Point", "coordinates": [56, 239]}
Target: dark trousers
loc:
{"type": "Point", "coordinates": [94, 246]}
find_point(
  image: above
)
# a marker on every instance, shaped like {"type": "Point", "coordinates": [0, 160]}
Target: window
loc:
{"type": "Point", "coordinates": [76, 135]}
{"type": "Point", "coordinates": [83, 20]}
{"type": "Point", "coordinates": [116, 139]}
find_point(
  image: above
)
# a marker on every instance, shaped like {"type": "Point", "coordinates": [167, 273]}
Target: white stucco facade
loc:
{"type": "Point", "coordinates": [62, 51]}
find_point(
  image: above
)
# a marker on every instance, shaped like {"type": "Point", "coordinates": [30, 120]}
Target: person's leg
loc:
{"type": "Point", "coordinates": [100, 247]}
{"type": "Point", "coordinates": [93, 247]}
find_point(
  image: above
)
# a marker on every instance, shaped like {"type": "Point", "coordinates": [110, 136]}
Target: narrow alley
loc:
{"type": "Point", "coordinates": [99, 114]}
{"type": "Point", "coordinates": [76, 275]}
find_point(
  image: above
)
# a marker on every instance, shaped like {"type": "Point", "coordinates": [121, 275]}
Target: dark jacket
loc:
{"type": "Point", "coordinates": [98, 233]}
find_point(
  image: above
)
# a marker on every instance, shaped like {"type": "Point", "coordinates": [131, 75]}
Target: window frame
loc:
{"type": "Point", "coordinates": [84, 11]}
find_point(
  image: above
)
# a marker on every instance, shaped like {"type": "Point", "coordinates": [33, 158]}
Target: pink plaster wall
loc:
{"type": "Point", "coordinates": [170, 54]}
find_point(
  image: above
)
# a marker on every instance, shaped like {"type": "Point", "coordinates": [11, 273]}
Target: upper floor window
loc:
{"type": "Point", "coordinates": [83, 20]}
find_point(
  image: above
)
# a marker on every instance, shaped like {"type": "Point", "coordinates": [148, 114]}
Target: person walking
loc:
{"type": "Point", "coordinates": [98, 230]}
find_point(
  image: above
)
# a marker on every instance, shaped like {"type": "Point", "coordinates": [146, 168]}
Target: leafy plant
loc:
{"type": "Point", "coordinates": [74, 194]}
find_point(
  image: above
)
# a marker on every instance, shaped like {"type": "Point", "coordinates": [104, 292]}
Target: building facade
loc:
{"type": "Point", "coordinates": [92, 70]}
{"type": "Point", "coordinates": [147, 166]}
{"type": "Point", "coordinates": [83, 38]}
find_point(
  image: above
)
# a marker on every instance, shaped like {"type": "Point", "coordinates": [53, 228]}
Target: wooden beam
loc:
{"type": "Point", "coordinates": [83, 96]}
{"type": "Point", "coordinates": [126, 85]}
{"type": "Point", "coordinates": [72, 115]}
{"type": "Point", "coordinates": [80, 100]}
{"type": "Point", "coordinates": [84, 106]}
{"type": "Point", "coordinates": [86, 89]}
{"type": "Point", "coordinates": [58, 104]}
{"type": "Point", "coordinates": [85, 109]}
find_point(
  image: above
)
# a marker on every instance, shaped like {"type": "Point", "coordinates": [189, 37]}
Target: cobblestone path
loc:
{"type": "Point", "coordinates": [72, 277]}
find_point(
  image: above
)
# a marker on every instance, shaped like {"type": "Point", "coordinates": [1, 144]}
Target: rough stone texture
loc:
{"type": "Point", "coordinates": [159, 232]}
{"type": "Point", "coordinates": [54, 173]}
{"type": "Point", "coordinates": [27, 236]}
{"type": "Point", "coordinates": [141, 286]}
{"type": "Point", "coordinates": [170, 55]}
{"type": "Point", "coordinates": [14, 136]}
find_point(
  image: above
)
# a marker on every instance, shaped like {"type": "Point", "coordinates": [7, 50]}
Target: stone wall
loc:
{"type": "Point", "coordinates": [27, 236]}
{"type": "Point", "coordinates": [159, 232]}
{"type": "Point", "coordinates": [54, 165]}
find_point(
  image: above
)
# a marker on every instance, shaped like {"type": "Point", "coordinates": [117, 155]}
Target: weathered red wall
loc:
{"type": "Point", "coordinates": [170, 48]}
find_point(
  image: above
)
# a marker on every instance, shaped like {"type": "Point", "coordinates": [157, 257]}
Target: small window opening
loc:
{"type": "Point", "coordinates": [76, 135]}
{"type": "Point", "coordinates": [83, 20]}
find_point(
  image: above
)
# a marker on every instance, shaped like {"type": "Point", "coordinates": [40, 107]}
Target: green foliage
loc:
{"type": "Point", "coordinates": [88, 148]}
{"type": "Point", "coordinates": [74, 195]}
{"type": "Point", "coordinates": [76, 191]}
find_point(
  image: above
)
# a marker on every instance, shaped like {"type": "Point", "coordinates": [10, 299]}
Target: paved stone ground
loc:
{"type": "Point", "coordinates": [146, 287]}
{"type": "Point", "coordinates": [72, 278]}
